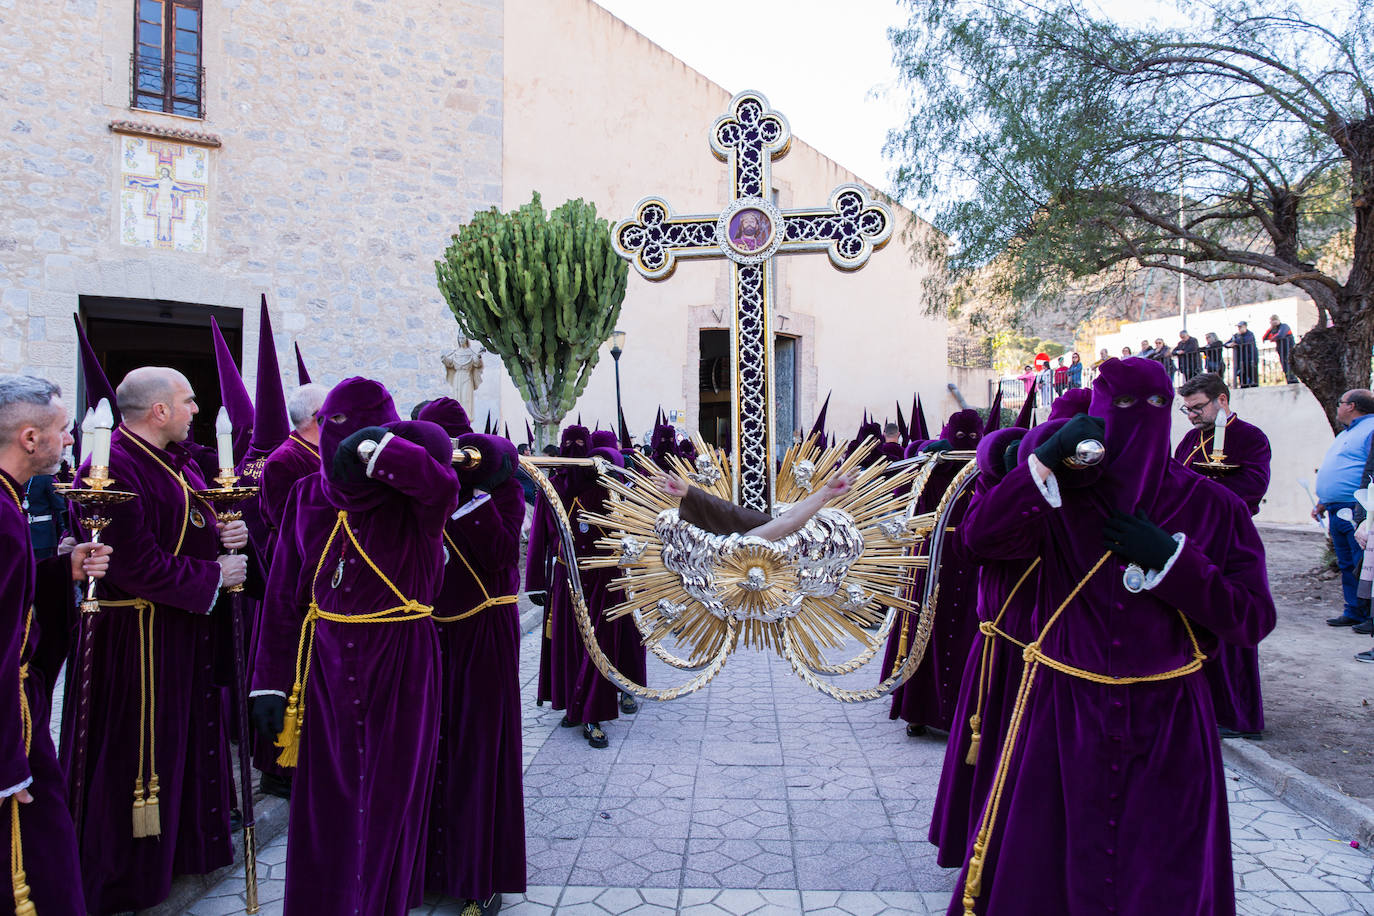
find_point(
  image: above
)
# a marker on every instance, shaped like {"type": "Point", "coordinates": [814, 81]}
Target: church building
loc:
{"type": "Point", "coordinates": [169, 161]}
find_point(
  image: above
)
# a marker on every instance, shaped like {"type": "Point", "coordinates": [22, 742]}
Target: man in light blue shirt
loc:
{"type": "Point", "coordinates": [1341, 474]}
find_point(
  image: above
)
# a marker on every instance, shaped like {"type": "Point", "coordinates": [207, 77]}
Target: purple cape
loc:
{"type": "Point", "coordinates": [477, 818]}
{"type": "Point", "coordinates": [169, 560]}
{"type": "Point", "coordinates": [1233, 672]}
{"type": "Point", "coordinates": [1115, 799]}
{"type": "Point", "coordinates": [361, 793]}
{"type": "Point", "coordinates": [45, 826]}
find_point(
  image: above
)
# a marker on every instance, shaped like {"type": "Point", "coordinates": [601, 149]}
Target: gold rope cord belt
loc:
{"type": "Point", "coordinates": [147, 816]}
{"type": "Point", "coordinates": [989, 629]}
{"type": "Point", "coordinates": [1034, 657]}
{"type": "Point", "coordinates": [488, 601]}
{"type": "Point", "coordinates": [409, 609]}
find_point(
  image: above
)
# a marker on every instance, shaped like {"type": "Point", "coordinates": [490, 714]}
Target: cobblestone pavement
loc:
{"type": "Point", "coordinates": [760, 796]}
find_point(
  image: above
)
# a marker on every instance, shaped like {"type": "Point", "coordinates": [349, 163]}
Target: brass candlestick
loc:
{"type": "Point", "coordinates": [225, 499]}
{"type": "Point", "coordinates": [98, 495]}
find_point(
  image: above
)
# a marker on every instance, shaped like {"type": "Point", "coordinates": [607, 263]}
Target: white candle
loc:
{"type": "Point", "coordinates": [87, 434]}
{"type": "Point", "coordinates": [104, 422]}
{"type": "Point", "coordinates": [1219, 436]}
{"type": "Point", "coordinates": [224, 436]}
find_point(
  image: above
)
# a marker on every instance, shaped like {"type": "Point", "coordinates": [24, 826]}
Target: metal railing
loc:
{"type": "Point", "coordinates": [173, 88]}
{"type": "Point", "coordinates": [1245, 366]}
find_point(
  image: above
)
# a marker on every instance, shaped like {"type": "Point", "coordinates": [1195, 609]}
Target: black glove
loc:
{"type": "Point", "coordinates": [268, 715]}
{"type": "Point", "coordinates": [1009, 456]}
{"type": "Point", "coordinates": [1064, 443]}
{"type": "Point", "coordinates": [538, 598]}
{"type": "Point", "coordinates": [939, 445]}
{"type": "Point", "coordinates": [1138, 539]}
{"type": "Point", "coordinates": [346, 466]}
{"type": "Point", "coordinates": [498, 463]}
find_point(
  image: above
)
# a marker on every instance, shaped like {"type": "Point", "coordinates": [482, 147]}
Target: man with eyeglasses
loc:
{"type": "Point", "coordinates": [1341, 474]}
{"type": "Point", "coordinates": [1232, 671]}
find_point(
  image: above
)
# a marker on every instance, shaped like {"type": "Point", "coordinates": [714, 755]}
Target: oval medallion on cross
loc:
{"type": "Point", "coordinates": [749, 231]}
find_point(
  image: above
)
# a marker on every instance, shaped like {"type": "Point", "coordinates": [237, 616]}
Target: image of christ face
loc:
{"type": "Point", "coordinates": [750, 230]}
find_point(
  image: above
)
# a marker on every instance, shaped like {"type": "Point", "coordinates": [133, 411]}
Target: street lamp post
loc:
{"type": "Point", "coordinates": [617, 347]}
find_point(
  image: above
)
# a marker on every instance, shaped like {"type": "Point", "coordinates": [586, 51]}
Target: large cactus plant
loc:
{"type": "Point", "coordinates": [542, 291]}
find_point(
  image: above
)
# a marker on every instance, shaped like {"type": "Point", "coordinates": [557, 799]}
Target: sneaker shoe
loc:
{"type": "Point", "coordinates": [1366, 656]}
{"type": "Point", "coordinates": [1341, 621]}
{"type": "Point", "coordinates": [628, 704]}
{"type": "Point", "coordinates": [595, 736]}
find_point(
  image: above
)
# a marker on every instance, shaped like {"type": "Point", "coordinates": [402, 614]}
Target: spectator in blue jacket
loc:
{"type": "Point", "coordinates": [1341, 474]}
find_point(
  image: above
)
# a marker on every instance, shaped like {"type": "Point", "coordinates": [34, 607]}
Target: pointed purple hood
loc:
{"type": "Point", "coordinates": [233, 394]}
{"type": "Point", "coordinates": [97, 384]}
{"type": "Point", "coordinates": [270, 423]}
{"type": "Point", "coordinates": [994, 414]}
{"type": "Point", "coordinates": [302, 376]}
{"type": "Point", "coordinates": [919, 429]}
{"type": "Point", "coordinates": [818, 428]}
{"type": "Point", "coordinates": [1023, 418]}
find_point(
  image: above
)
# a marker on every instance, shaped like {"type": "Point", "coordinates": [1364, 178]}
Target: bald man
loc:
{"type": "Point", "coordinates": [1341, 474]}
{"type": "Point", "coordinates": [157, 782]}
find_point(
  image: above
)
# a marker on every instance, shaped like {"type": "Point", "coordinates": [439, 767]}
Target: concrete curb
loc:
{"type": "Point", "coordinates": [1349, 818]}
{"type": "Point", "coordinates": [269, 819]}
{"type": "Point", "coordinates": [531, 619]}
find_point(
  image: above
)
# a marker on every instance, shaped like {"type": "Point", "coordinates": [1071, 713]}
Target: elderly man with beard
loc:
{"type": "Point", "coordinates": [1109, 795]}
{"type": "Point", "coordinates": [35, 619]}
{"type": "Point", "coordinates": [347, 633]}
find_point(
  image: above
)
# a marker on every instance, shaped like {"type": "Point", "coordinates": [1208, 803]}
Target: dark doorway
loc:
{"type": "Point", "coordinates": [713, 414]}
{"type": "Point", "coordinates": [128, 333]}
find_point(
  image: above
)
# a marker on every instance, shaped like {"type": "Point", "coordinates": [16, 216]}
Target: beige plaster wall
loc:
{"type": "Point", "coordinates": [595, 110]}
{"type": "Point", "coordinates": [355, 137]}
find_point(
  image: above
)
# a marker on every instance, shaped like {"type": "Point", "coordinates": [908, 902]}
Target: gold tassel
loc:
{"type": "Point", "coordinates": [140, 807]}
{"type": "Point", "coordinates": [152, 813]}
{"type": "Point", "coordinates": [23, 906]}
{"type": "Point", "coordinates": [290, 738]}
{"type": "Point", "coordinates": [971, 758]}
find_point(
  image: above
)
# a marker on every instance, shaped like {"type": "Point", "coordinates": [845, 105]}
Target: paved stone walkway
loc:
{"type": "Point", "coordinates": [761, 796]}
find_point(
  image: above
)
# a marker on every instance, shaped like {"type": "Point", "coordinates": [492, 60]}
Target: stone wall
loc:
{"type": "Point", "coordinates": [355, 137]}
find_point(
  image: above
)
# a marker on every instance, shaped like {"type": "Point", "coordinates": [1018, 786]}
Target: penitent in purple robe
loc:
{"type": "Point", "coordinates": [477, 818]}
{"type": "Point", "coordinates": [289, 462]}
{"type": "Point", "coordinates": [361, 793]}
{"type": "Point", "coordinates": [35, 646]}
{"type": "Point", "coordinates": [1233, 671]}
{"type": "Point", "coordinates": [991, 675]}
{"type": "Point", "coordinates": [930, 695]}
{"type": "Point", "coordinates": [168, 544]}
{"type": "Point", "coordinates": [1115, 799]}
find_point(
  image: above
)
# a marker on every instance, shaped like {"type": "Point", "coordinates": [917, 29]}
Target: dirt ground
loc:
{"type": "Point", "coordinates": [1318, 701]}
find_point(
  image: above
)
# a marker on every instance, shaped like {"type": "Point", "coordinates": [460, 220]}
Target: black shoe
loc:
{"type": "Point", "coordinates": [471, 908]}
{"type": "Point", "coordinates": [628, 704]}
{"type": "Point", "coordinates": [915, 731]}
{"type": "Point", "coordinates": [235, 820]}
{"type": "Point", "coordinates": [1232, 733]}
{"type": "Point", "coordinates": [272, 784]}
{"type": "Point", "coordinates": [567, 723]}
{"type": "Point", "coordinates": [1341, 621]}
{"type": "Point", "coordinates": [1366, 656]}
{"type": "Point", "coordinates": [1364, 628]}
{"type": "Point", "coordinates": [595, 736]}
{"type": "Point", "coordinates": [492, 906]}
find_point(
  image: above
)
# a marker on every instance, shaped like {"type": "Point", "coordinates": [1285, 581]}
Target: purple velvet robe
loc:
{"type": "Point", "coordinates": [929, 697]}
{"type": "Point", "coordinates": [188, 744]}
{"type": "Point", "coordinates": [963, 787]}
{"type": "Point", "coordinates": [361, 793]}
{"type": "Point", "coordinates": [1115, 799]}
{"type": "Point", "coordinates": [45, 826]}
{"type": "Point", "coordinates": [477, 819]}
{"type": "Point", "coordinates": [1233, 671]}
{"type": "Point", "coordinates": [289, 462]}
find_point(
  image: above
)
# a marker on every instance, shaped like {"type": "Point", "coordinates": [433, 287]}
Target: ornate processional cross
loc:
{"type": "Point", "coordinates": [749, 232]}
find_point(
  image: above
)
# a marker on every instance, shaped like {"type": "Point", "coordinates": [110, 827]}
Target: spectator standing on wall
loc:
{"type": "Point", "coordinates": [1061, 378]}
{"type": "Point", "coordinates": [1164, 356]}
{"type": "Point", "coordinates": [1146, 351]}
{"type": "Point", "coordinates": [1186, 352]}
{"type": "Point", "coordinates": [1027, 378]}
{"type": "Point", "coordinates": [1211, 354]}
{"type": "Point", "coordinates": [1125, 352]}
{"type": "Point", "coordinates": [1247, 356]}
{"type": "Point", "coordinates": [1340, 475]}
{"type": "Point", "coordinates": [1076, 371]}
{"type": "Point", "coordinates": [1282, 336]}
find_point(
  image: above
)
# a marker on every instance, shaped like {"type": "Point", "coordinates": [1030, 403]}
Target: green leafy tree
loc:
{"type": "Point", "coordinates": [1236, 143]}
{"type": "Point", "coordinates": [542, 291]}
